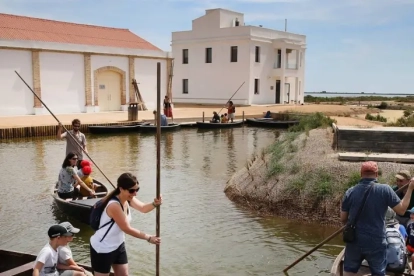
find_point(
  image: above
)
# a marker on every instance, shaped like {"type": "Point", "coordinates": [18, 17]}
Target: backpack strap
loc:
{"type": "Point", "coordinates": [112, 221]}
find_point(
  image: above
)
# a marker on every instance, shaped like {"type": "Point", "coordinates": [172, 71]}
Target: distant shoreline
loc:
{"type": "Point", "coordinates": [356, 93]}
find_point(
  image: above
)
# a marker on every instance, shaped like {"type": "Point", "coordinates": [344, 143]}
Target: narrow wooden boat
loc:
{"type": "Point", "coordinates": [79, 208]}
{"type": "Point", "coordinates": [116, 128]}
{"type": "Point", "coordinates": [219, 125]}
{"type": "Point", "coordinates": [338, 267]}
{"type": "Point", "coordinates": [18, 263]}
{"type": "Point", "coordinates": [153, 128]}
{"type": "Point", "coordinates": [271, 123]}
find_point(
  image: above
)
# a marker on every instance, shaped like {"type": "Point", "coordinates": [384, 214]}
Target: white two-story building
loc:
{"type": "Point", "coordinates": [220, 53]}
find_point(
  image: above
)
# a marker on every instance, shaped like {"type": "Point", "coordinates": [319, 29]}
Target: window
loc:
{"type": "Point", "coordinates": [279, 59]}
{"type": "Point", "coordinates": [257, 54]}
{"type": "Point", "coordinates": [185, 56]}
{"type": "Point", "coordinates": [185, 86]}
{"type": "Point", "coordinates": [233, 54]}
{"type": "Point", "coordinates": [256, 86]}
{"type": "Point", "coordinates": [209, 55]}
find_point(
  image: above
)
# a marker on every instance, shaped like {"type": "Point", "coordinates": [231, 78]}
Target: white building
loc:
{"type": "Point", "coordinates": [74, 67]}
{"type": "Point", "coordinates": [220, 53]}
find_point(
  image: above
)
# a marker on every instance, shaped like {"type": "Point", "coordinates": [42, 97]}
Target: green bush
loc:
{"type": "Point", "coordinates": [312, 121]}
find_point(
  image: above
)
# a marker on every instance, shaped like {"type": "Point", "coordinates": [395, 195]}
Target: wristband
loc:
{"type": "Point", "coordinates": [149, 239]}
{"type": "Point", "coordinates": [153, 204]}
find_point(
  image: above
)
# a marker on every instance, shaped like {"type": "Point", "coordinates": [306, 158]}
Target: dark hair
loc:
{"type": "Point", "coordinates": [230, 102]}
{"type": "Point", "coordinates": [76, 121]}
{"type": "Point", "coordinates": [66, 162]}
{"type": "Point", "coordinates": [125, 181]}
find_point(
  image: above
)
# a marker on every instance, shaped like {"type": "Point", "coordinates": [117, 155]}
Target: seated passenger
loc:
{"type": "Point", "coordinates": [82, 164]}
{"type": "Point", "coordinates": [47, 259]}
{"type": "Point", "coordinates": [66, 265]}
{"type": "Point", "coordinates": [268, 115]}
{"type": "Point", "coordinates": [226, 119]}
{"type": "Point", "coordinates": [216, 118]}
{"type": "Point", "coordinates": [88, 180]}
{"type": "Point", "coordinates": [164, 121]}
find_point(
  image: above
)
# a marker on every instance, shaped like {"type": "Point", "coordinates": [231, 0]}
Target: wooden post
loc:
{"type": "Point", "coordinates": [243, 117]}
{"type": "Point", "coordinates": [203, 116]}
{"type": "Point", "coordinates": [157, 225]}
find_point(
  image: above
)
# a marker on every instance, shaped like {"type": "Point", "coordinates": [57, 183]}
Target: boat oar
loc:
{"type": "Point", "coordinates": [158, 219]}
{"type": "Point", "coordinates": [336, 233]}
{"type": "Point", "coordinates": [232, 96]}
{"type": "Point", "coordinates": [70, 134]}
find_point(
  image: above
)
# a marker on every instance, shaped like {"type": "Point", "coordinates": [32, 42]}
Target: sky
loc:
{"type": "Point", "coordinates": [352, 45]}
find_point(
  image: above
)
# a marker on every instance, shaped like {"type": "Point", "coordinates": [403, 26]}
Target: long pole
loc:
{"type": "Point", "coordinates": [336, 233]}
{"type": "Point", "coordinates": [158, 164]}
{"type": "Point", "coordinates": [70, 134]}
{"type": "Point", "coordinates": [232, 96]}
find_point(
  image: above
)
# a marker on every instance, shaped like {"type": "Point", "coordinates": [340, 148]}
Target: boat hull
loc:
{"type": "Point", "coordinates": [153, 128]}
{"type": "Point", "coordinates": [116, 128]}
{"type": "Point", "coordinates": [208, 125]}
{"type": "Point", "coordinates": [337, 267]}
{"type": "Point", "coordinates": [79, 209]}
{"type": "Point", "coordinates": [18, 263]}
{"type": "Point", "coordinates": [270, 123]}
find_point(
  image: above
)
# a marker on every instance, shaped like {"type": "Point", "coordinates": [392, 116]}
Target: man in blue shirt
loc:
{"type": "Point", "coordinates": [369, 243]}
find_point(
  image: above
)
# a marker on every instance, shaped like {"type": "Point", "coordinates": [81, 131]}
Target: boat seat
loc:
{"type": "Point", "coordinates": [19, 269]}
{"type": "Point", "coordinates": [85, 197]}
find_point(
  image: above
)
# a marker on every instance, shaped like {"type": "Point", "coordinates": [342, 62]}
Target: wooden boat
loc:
{"type": "Point", "coordinates": [79, 208]}
{"type": "Point", "coordinates": [153, 128]}
{"type": "Point", "coordinates": [271, 123]}
{"type": "Point", "coordinates": [116, 128]}
{"type": "Point", "coordinates": [337, 267]}
{"type": "Point", "coordinates": [17, 263]}
{"type": "Point", "coordinates": [219, 125]}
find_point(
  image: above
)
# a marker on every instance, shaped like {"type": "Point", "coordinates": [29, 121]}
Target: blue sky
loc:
{"type": "Point", "coordinates": [352, 45]}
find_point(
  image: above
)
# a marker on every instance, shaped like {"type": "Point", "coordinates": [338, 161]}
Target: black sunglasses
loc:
{"type": "Point", "coordinates": [131, 191]}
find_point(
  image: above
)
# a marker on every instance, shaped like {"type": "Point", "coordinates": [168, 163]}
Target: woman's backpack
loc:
{"type": "Point", "coordinates": [396, 250]}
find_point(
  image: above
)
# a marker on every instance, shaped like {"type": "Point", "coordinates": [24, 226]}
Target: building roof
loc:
{"type": "Point", "coordinates": [15, 27]}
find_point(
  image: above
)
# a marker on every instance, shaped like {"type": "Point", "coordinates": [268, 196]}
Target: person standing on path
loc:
{"type": "Point", "coordinates": [369, 242]}
{"type": "Point", "coordinates": [71, 145]}
{"type": "Point", "coordinates": [168, 108]}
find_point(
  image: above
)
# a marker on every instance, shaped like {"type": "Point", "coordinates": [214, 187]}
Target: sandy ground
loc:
{"type": "Point", "coordinates": [190, 112]}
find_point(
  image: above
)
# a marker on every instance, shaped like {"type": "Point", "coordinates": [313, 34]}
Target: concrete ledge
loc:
{"type": "Point", "coordinates": [90, 109]}
{"type": "Point", "coordinates": [379, 157]}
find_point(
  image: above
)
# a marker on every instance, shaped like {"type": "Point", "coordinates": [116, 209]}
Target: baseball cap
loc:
{"type": "Point", "coordinates": [57, 231]}
{"type": "Point", "coordinates": [390, 217]}
{"type": "Point", "coordinates": [69, 227]}
{"type": "Point", "coordinates": [403, 174]}
{"type": "Point", "coordinates": [369, 166]}
{"type": "Point", "coordinates": [84, 163]}
{"type": "Point", "coordinates": [411, 210]}
{"type": "Point", "coordinates": [86, 170]}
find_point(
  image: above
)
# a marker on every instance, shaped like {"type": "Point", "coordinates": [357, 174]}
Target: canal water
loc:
{"type": "Point", "coordinates": [203, 233]}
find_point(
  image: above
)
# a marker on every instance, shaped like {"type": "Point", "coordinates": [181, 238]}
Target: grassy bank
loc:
{"type": "Point", "coordinates": [299, 176]}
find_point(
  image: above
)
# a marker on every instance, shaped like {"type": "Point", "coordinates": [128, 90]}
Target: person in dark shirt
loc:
{"type": "Point", "coordinates": [403, 178]}
{"type": "Point", "coordinates": [369, 243]}
{"type": "Point", "coordinates": [216, 118]}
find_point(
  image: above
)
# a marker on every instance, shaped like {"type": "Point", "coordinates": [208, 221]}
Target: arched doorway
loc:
{"type": "Point", "coordinates": [109, 88]}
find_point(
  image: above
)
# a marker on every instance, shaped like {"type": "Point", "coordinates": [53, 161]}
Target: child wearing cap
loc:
{"type": "Point", "coordinates": [46, 260]}
{"type": "Point", "coordinates": [66, 265]}
{"type": "Point", "coordinates": [82, 164]}
{"type": "Point", "coordinates": [88, 180]}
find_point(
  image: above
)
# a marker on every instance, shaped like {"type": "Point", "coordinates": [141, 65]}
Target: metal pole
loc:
{"type": "Point", "coordinates": [243, 117]}
{"type": "Point", "coordinates": [158, 164]}
{"type": "Point", "coordinates": [285, 25]}
{"type": "Point", "coordinates": [203, 116]}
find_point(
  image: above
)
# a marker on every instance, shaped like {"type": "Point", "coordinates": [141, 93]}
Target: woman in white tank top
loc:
{"type": "Point", "coordinates": [108, 243]}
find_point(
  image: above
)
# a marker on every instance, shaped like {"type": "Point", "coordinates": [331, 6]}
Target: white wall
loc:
{"type": "Point", "coordinates": [98, 61]}
{"type": "Point", "coordinates": [211, 82]}
{"type": "Point", "coordinates": [146, 76]}
{"type": "Point", "coordinates": [16, 98]}
{"type": "Point", "coordinates": [62, 82]}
